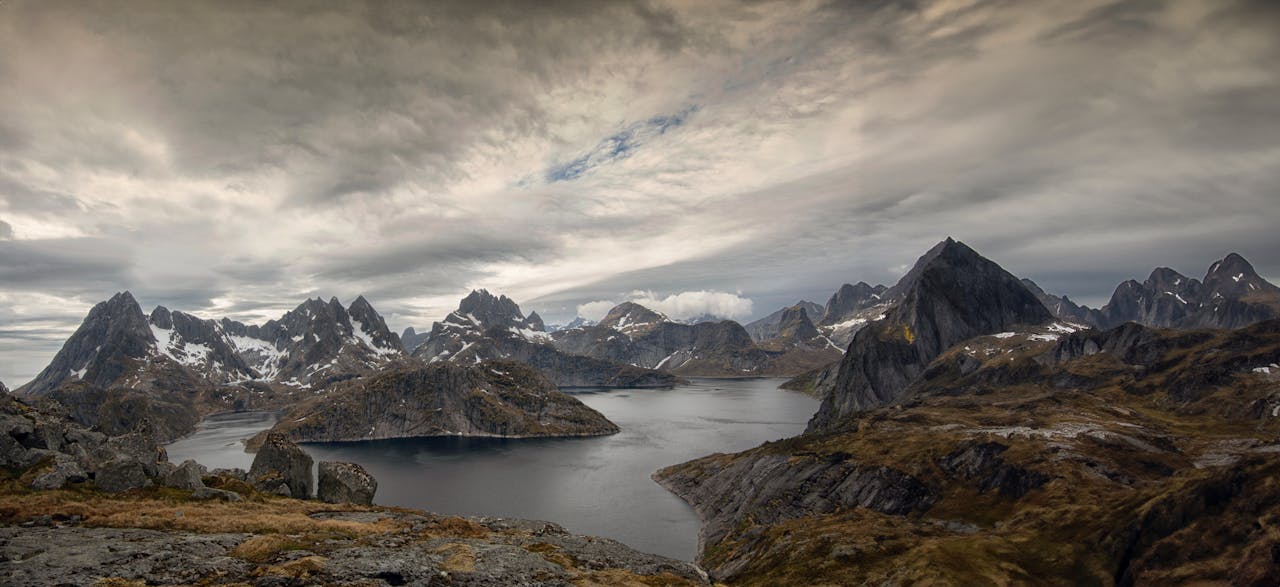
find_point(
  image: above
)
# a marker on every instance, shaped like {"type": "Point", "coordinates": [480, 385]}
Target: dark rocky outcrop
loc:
{"type": "Point", "coordinates": [412, 338]}
{"type": "Point", "coordinates": [109, 344]}
{"type": "Point", "coordinates": [281, 467]}
{"type": "Point", "coordinates": [769, 326]}
{"type": "Point", "coordinates": [848, 301]}
{"type": "Point", "coordinates": [345, 483]}
{"type": "Point", "coordinates": [952, 294]}
{"type": "Point", "coordinates": [493, 398]}
{"type": "Point", "coordinates": [762, 488]}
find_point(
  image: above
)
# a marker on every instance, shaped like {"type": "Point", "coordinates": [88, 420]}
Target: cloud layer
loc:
{"type": "Point", "coordinates": [233, 159]}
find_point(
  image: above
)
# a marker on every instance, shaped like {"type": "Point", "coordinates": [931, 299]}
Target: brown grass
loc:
{"type": "Point", "coordinates": [458, 557]}
{"type": "Point", "coordinates": [172, 510]}
{"type": "Point", "coordinates": [625, 578]}
{"type": "Point", "coordinates": [554, 554]}
{"type": "Point", "coordinates": [455, 528]}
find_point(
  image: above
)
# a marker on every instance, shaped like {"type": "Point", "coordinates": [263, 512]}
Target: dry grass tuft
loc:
{"type": "Point", "coordinates": [455, 528]}
{"type": "Point", "coordinates": [554, 554]}
{"type": "Point", "coordinates": [261, 548]}
{"type": "Point", "coordinates": [458, 557]}
{"type": "Point", "coordinates": [302, 568]}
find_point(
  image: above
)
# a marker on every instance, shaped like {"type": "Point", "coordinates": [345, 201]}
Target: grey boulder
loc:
{"type": "Point", "coordinates": [281, 463]}
{"type": "Point", "coordinates": [345, 483]}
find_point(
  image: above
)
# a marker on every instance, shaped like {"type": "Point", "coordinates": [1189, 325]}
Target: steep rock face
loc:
{"type": "Point", "coordinates": [412, 338]}
{"type": "Point", "coordinates": [113, 338]}
{"type": "Point", "coordinates": [848, 301]}
{"type": "Point", "coordinates": [951, 294]}
{"type": "Point", "coordinates": [795, 324]}
{"type": "Point", "coordinates": [494, 398]}
{"type": "Point", "coordinates": [769, 326]}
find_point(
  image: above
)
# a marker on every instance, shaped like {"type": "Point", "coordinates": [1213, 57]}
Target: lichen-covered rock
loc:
{"type": "Point", "coordinates": [345, 483]}
{"type": "Point", "coordinates": [65, 470]}
{"type": "Point", "coordinates": [188, 475]}
{"type": "Point", "coordinates": [119, 475]}
{"type": "Point", "coordinates": [291, 466]}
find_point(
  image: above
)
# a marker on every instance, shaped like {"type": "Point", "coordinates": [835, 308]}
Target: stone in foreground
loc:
{"type": "Point", "coordinates": [345, 483]}
{"type": "Point", "coordinates": [281, 464]}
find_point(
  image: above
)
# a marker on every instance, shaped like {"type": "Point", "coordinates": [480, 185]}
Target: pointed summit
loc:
{"type": "Point", "coordinates": [952, 294]}
{"type": "Point", "coordinates": [795, 324]}
{"type": "Point", "coordinates": [114, 334]}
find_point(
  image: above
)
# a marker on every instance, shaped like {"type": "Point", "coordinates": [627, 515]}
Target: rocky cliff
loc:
{"type": "Point", "coordinates": [493, 398]}
{"type": "Point", "coordinates": [951, 294]}
{"type": "Point", "coordinates": [1129, 456]}
{"type": "Point", "coordinates": [770, 326]}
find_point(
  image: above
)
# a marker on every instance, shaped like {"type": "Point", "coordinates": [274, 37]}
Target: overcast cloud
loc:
{"type": "Point", "coordinates": [233, 158]}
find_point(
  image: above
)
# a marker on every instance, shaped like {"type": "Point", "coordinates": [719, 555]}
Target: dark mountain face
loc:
{"type": "Point", "coordinates": [111, 340]}
{"type": "Point", "coordinates": [848, 301]}
{"type": "Point", "coordinates": [411, 338]}
{"type": "Point", "coordinates": [952, 294]}
{"type": "Point", "coordinates": [1234, 277]}
{"type": "Point", "coordinates": [795, 324]}
{"type": "Point", "coordinates": [1232, 295]}
{"type": "Point", "coordinates": [769, 326]}
{"type": "Point", "coordinates": [369, 326]}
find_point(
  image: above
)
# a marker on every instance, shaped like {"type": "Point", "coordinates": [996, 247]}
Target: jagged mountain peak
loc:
{"type": "Point", "coordinates": [795, 324]}
{"type": "Point", "coordinates": [1235, 277]}
{"type": "Point", "coordinates": [489, 310]}
{"type": "Point", "coordinates": [114, 335]}
{"type": "Point", "coordinates": [951, 294]}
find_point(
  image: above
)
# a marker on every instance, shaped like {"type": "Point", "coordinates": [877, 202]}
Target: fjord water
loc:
{"type": "Point", "coordinates": [598, 486]}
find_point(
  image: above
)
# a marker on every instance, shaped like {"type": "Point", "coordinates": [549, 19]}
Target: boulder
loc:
{"type": "Point", "coordinates": [121, 474]}
{"type": "Point", "coordinates": [188, 475]}
{"type": "Point", "coordinates": [65, 470]}
{"type": "Point", "coordinates": [203, 492]}
{"type": "Point", "coordinates": [291, 466]}
{"type": "Point", "coordinates": [345, 483]}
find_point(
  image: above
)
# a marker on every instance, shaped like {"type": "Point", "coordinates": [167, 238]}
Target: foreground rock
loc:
{"type": "Point", "coordinates": [281, 467]}
{"type": "Point", "coordinates": [494, 398]}
{"type": "Point", "coordinates": [372, 548]}
{"type": "Point", "coordinates": [345, 483]}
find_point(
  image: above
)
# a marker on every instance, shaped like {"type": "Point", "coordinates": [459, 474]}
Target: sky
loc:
{"type": "Point", "coordinates": [707, 157]}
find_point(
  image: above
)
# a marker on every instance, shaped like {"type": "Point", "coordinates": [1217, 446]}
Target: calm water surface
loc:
{"type": "Point", "coordinates": [598, 486]}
